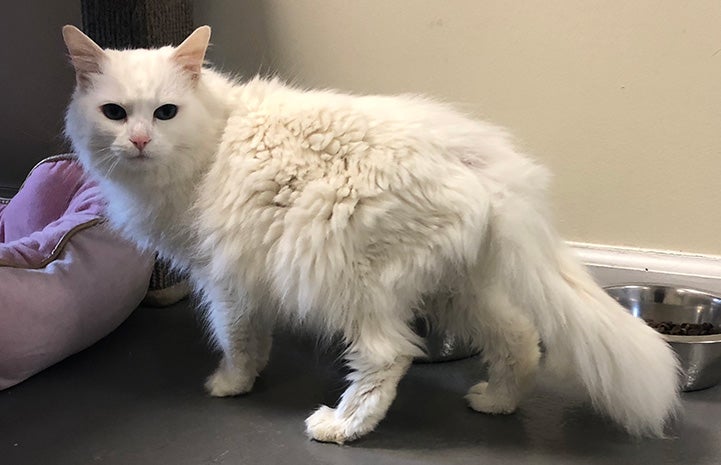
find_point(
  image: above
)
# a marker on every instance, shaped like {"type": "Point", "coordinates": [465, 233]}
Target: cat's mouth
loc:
{"type": "Point", "coordinates": [140, 156]}
{"type": "Point", "coordinates": [135, 161]}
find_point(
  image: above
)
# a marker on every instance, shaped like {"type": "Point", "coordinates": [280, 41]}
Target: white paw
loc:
{"type": "Point", "coordinates": [323, 426]}
{"type": "Point", "coordinates": [224, 383]}
{"type": "Point", "coordinates": [481, 401]}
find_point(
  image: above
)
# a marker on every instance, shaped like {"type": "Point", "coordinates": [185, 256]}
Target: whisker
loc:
{"type": "Point", "coordinates": [112, 167]}
{"type": "Point", "coordinates": [106, 160]}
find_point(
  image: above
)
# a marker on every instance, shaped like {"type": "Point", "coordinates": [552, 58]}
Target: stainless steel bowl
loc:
{"type": "Point", "coordinates": [441, 346]}
{"type": "Point", "coordinates": [700, 356]}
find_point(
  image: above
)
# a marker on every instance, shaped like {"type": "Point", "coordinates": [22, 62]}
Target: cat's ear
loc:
{"type": "Point", "coordinates": [191, 53]}
{"type": "Point", "coordinates": [85, 54]}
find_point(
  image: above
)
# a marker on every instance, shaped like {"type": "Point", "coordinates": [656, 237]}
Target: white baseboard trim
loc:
{"type": "Point", "coordinates": [612, 265]}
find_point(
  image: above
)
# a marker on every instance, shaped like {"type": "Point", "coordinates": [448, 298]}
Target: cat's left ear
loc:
{"type": "Point", "coordinates": [191, 53]}
{"type": "Point", "coordinates": [85, 54]}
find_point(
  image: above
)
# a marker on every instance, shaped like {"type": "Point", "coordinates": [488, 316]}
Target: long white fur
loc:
{"type": "Point", "coordinates": [353, 215]}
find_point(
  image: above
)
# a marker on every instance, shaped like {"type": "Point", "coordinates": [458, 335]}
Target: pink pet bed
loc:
{"type": "Point", "coordinates": [66, 280]}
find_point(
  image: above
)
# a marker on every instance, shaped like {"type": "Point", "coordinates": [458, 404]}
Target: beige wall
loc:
{"type": "Point", "coordinates": [622, 100]}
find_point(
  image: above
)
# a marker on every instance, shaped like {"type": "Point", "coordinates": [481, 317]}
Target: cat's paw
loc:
{"type": "Point", "coordinates": [224, 383]}
{"type": "Point", "coordinates": [323, 426]}
{"type": "Point", "coordinates": [497, 404]}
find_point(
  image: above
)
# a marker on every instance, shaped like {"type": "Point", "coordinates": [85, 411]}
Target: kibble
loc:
{"type": "Point", "coordinates": [683, 329]}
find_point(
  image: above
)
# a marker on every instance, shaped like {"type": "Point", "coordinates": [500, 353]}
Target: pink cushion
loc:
{"type": "Point", "coordinates": [66, 280]}
{"type": "Point", "coordinates": [54, 201]}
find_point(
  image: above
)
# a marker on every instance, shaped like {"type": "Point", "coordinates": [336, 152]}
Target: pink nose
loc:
{"type": "Point", "coordinates": [140, 141]}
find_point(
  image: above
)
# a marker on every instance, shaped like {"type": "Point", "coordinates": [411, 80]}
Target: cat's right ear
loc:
{"type": "Point", "coordinates": [85, 54]}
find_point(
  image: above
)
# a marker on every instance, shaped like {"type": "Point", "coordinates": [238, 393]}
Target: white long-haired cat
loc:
{"type": "Point", "coordinates": [353, 216]}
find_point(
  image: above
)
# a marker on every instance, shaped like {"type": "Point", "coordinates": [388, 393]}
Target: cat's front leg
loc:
{"type": "Point", "coordinates": [363, 404]}
{"type": "Point", "coordinates": [242, 340]}
{"type": "Point", "coordinates": [261, 340]}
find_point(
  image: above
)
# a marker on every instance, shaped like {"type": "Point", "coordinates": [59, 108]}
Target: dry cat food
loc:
{"type": "Point", "coordinates": [683, 329]}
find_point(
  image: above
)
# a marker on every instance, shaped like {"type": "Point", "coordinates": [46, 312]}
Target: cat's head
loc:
{"type": "Point", "coordinates": [139, 114]}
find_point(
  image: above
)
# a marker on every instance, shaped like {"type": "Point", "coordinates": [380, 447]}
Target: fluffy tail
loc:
{"type": "Point", "coordinates": [629, 371]}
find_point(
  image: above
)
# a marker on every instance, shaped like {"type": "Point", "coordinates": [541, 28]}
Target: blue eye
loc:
{"type": "Point", "coordinates": [167, 111]}
{"type": "Point", "coordinates": [113, 111]}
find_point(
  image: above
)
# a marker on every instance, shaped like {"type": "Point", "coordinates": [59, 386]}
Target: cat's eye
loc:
{"type": "Point", "coordinates": [113, 111]}
{"type": "Point", "coordinates": [166, 111]}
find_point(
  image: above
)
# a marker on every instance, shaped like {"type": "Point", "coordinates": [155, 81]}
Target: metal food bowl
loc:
{"type": "Point", "coordinates": [700, 356]}
{"type": "Point", "coordinates": [441, 346]}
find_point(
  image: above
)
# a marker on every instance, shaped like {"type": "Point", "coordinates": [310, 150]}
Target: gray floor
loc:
{"type": "Point", "coordinates": [136, 398]}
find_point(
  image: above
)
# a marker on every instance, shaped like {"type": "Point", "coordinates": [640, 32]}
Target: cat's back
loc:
{"type": "Point", "coordinates": [271, 119]}
{"type": "Point", "coordinates": [394, 117]}
{"type": "Point", "coordinates": [284, 142]}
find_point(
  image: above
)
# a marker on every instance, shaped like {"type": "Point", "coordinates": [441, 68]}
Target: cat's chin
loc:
{"type": "Point", "coordinates": [137, 167]}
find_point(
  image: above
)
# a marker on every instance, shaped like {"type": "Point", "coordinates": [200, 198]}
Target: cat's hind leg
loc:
{"type": "Point", "coordinates": [379, 357]}
{"type": "Point", "coordinates": [243, 340]}
{"type": "Point", "coordinates": [510, 347]}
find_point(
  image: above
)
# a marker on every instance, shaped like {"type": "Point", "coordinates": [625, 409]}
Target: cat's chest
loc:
{"type": "Point", "coordinates": [155, 223]}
